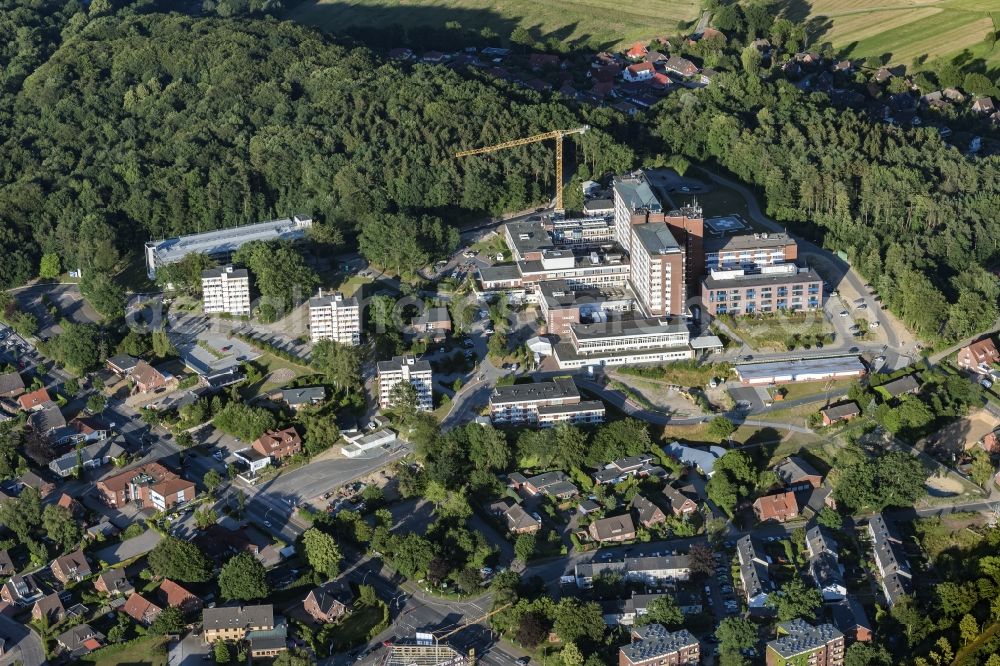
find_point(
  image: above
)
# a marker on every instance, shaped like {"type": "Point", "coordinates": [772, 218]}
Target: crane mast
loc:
{"type": "Point", "coordinates": [545, 136]}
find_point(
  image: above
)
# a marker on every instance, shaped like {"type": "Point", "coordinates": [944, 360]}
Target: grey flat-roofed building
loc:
{"type": "Point", "coordinates": [598, 207]}
{"type": "Point", "coordinates": [802, 370]}
{"type": "Point", "coordinates": [303, 396]}
{"type": "Point", "coordinates": [500, 277]}
{"type": "Point", "coordinates": [656, 238]}
{"type": "Point", "coordinates": [233, 622]}
{"type": "Point", "coordinates": [222, 243]}
{"type": "Point", "coordinates": [901, 386]}
{"type": "Point", "coordinates": [643, 569]}
{"type": "Point", "coordinates": [543, 403]}
{"type": "Point", "coordinates": [653, 644]}
{"type": "Point", "coordinates": [824, 643]}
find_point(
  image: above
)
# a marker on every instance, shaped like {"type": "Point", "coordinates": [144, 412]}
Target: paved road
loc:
{"type": "Point", "coordinates": [23, 644]}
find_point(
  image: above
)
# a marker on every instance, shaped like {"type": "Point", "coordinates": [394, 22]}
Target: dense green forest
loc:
{"type": "Point", "coordinates": [144, 126]}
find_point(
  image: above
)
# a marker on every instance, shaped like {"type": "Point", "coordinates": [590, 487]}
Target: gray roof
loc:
{"type": "Point", "coordinates": [519, 519]}
{"type": "Point", "coordinates": [746, 242]}
{"type": "Point", "coordinates": [677, 498]}
{"type": "Point", "coordinates": [598, 205]}
{"type": "Point", "coordinates": [582, 406]}
{"type": "Point", "coordinates": [236, 617]}
{"type": "Point", "coordinates": [219, 271]}
{"type": "Point", "coordinates": [637, 194]}
{"type": "Point", "coordinates": [48, 418]}
{"type": "Point", "coordinates": [818, 540]}
{"type": "Point", "coordinates": [900, 386]}
{"type": "Point", "coordinates": [303, 395]}
{"type": "Point", "coordinates": [840, 365]}
{"type": "Point", "coordinates": [802, 275]}
{"type": "Point", "coordinates": [844, 409]}
{"type": "Point", "coordinates": [644, 508]}
{"type": "Point", "coordinates": [627, 328]}
{"type": "Point", "coordinates": [106, 448]}
{"type": "Point", "coordinates": [638, 565]}
{"type": "Point", "coordinates": [700, 458]}
{"type": "Point", "coordinates": [73, 637]}
{"type": "Point", "coordinates": [398, 362]}
{"type": "Point", "coordinates": [123, 362]}
{"type": "Point", "coordinates": [825, 570]}
{"type": "Point", "coordinates": [499, 273]}
{"type": "Point", "coordinates": [656, 237]}
{"type": "Point", "coordinates": [849, 614]}
{"type": "Point", "coordinates": [529, 236]}
{"type": "Point", "coordinates": [753, 568]}
{"type": "Point", "coordinates": [226, 241]}
{"type": "Point", "coordinates": [655, 641]}
{"type": "Point", "coordinates": [887, 546]}
{"type": "Point", "coordinates": [614, 527]}
{"type": "Point", "coordinates": [11, 383]}
{"type": "Point", "coordinates": [335, 300]}
{"type": "Point", "coordinates": [794, 468]}
{"type": "Point", "coordinates": [557, 389]}
{"type": "Point", "coordinates": [802, 637]}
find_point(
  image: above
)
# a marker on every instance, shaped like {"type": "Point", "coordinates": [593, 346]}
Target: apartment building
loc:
{"type": "Point", "coordinates": [824, 564]}
{"type": "Point", "coordinates": [278, 444]}
{"type": "Point", "coordinates": [799, 642]}
{"type": "Point", "coordinates": [543, 404]}
{"type": "Point", "coordinates": [406, 369]}
{"type": "Point", "coordinates": [233, 622]}
{"type": "Point", "coordinates": [226, 290]}
{"type": "Point", "coordinates": [222, 243]}
{"type": "Point", "coordinates": [749, 251]}
{"type": "Point", "coordinates": [151, 484]}
{"type": "Point", "coordinates": [648, 570]}
{"type": "Point", "coordinates": [773, 288]}
{"type": "Point", "coordinates": [755, 574]}
{"type": "Point", "coordinates": [335, 317]}
{"type": "Point", "coordinates": [621, 341]}
{"type": "Point", "coordinates": [658, 270]}
{"type": "Point", "coordinates": [653, 645]}
{"type": "Point", "coordinates": [893, 565]}
{"type": "Point", "coordinates": [583, 232]}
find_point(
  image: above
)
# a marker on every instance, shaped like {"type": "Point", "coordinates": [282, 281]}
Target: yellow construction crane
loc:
{"type": "Point", "coordinates": [554, 134]}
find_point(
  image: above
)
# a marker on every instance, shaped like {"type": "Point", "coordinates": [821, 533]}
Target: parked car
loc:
{"type": "Point", "coordinates": [986, 383]}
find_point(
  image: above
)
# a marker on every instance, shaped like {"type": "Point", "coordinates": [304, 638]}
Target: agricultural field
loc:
{"type": "Point", "coordinates": [906, 30]}
{"type": "Point", "coordinates": [603, 22]}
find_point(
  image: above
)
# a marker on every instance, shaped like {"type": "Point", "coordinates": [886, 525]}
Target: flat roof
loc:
{"type": "Point", "coordinates": [582, 406]}
{"type": "Point", "coordinates": [529, 236]}
{"type": "Point", "coordinates": [336, 300]}
{"type": "Point", "coordinates": [627, 328]}
{"type": "Point", "coordinates": [500, 273]}
{"type": "Point", "coordinates": [228, 240]}
{"type": "Point", "coordinates": [793, 369]}
{"type": "Point", "coordinates": [637, 194]}
{"type": "Point", "coordinates": [557, 389]}
{"type": "Point", "coordinates": [747, 242]}
{"type": "Point", "coordinates": [397, 363]}
{"type": "Point", "coordinates": [655, 237]}
{"type": "Point", "coordinates": [763, 279]}
{"type": "Point", "coordinates": [219, 271]}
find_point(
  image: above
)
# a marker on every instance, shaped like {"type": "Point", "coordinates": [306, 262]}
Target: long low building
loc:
{"type": "Point", "coordinates": [801, 370]}
{"type": "Point", "coordinates": [543, 404]}
{"type": "Point", "coordinates": [642, 569]}
{"type": "Point", "coordinates": [625, 341]}
{"type": "Point", "coordinates": [222, 243]}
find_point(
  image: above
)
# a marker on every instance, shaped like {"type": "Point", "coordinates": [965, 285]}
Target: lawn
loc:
{"type": "Point", "coordinates": [355, 628]}
{"type": "Point", "coordinates": [681, 373]}
{"type": "Point", "coordinates": [780, 332]}
{"type": "Point", "coordinates": [601, 22]}
{"type": "Point", "coordinates": [151, 651]}
{"type": "Point", "coordinates": [906, 29]}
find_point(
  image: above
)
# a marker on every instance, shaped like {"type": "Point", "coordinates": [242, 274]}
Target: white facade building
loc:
{"type": "Point", "coordinates": [335, 317]}
{"type": "Point", "coordinates": [226, 290]}
{"type": "Point", "coordinates": [406, 369]}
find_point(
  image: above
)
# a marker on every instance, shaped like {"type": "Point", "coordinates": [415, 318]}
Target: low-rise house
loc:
{"type": "Point", "coordinates": [648, 570]}
{"type": "Point", "coordinates": [844, 411]}
{"type": "Point", "coordinates": [681, 66]}
{"type": "Point", "coordinates": [104, 529]}
{"type": "Point", "coordinates": [34, 400]}
{"type": "Point", "coordinates": [231, 623]}
{"type": "Point", "coordinates": [699, 459]}
{"type": "Point", "coordinates": [796, 474]}
{"type": "Point", "coordinates": [151, 484]}
{"type": "Point", "coordinates": [799, 642]}
{"type": "Point", "coordinates": [31, 480]}
{"type": "Point", "coordinates": [80, 640]}
{"type": "Point", "coordinates": [900, 386]}
{"type": "Point", "coordinates": [637, 51]}
{"type": "Point", "coordinates": [754, 573]}
{"type": "Point", "coordinates": [824, 564]}
{"type": "Point", "coordinates": [991, 443]}
{"type": "Point", "coordinates": [49, 422]}
{"type": "Point", "coordinates": [174, 596]}
{"type": "Point", "coordinates": [779, 507]}
{"type": "Point", "coordinates": [20, 590]}
{"type": "Point", "coordinates": [328, 603]}
{"type": "Point", "coordinates": [978, 356]}
{"type": "Point", "coordinates": [555, 484]}
{"type": "Point", "coordinates": [6, 565]}
{"type": "Point", "coordinates": [113, 583]}
{"type": "Point", "coordinates": [642, 71]}
{"type": "Point", "coordinates": [984, 105]}
{"type": "Point", "coordinates": [49, 606]}
{"type": "Point", "coordinates": [647, 513]}
{"type": "Point", "coordinates": [146, 379]}
{"type": "Point", "coordinates": [87, 457]}
{"type": "Point", "coordinates": [653, 645]}
{"type": "Point", "coordinates": [613, 529]}
{"type": "Point", "coordinates": [681, 502]}
{"type": "Point", "coordinates": [141, 609]}
{"type": "Point", "coordinates": [297, 398]}
{"type": "Point", "coordinates": [849, 616]}
{"type": "Point", "coordinates": [518, 520]}
{"type": "Point", "coordinates": [70, 504]}
{"type": "Point", "coordinates": [893, 566]}
{"type": "Point", "coordinates": [122, 364]}
{"type": "Point", "coordinates": [72, 567]}
{"type": "Point", "coordinates": [623, 468]}
{"type": "Point", "coordinates": [279, 444]}
{"type": "Point", "coordinates": [11, 385]}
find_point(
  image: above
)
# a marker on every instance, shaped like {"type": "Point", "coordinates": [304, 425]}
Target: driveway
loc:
{"type": "Point", "coordinates": [23, 645]}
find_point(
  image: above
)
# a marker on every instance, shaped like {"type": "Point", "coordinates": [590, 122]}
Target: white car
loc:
{"type": "Point", "coordinates": [874, 324]}
{"type": "Point", "coordinates": [843, 313]}
{"type": "Point", "coordinates": [986, 383]}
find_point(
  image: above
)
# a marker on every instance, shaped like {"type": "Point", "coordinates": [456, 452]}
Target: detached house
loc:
{"type": "Point", "coordinates": [681, 502]}
{"type": "Point", "coordinates": [616, 528]}
{"type": "Point", "coordinates": [328, 603]}
{"type": "Point", "coordinates": [680, 66]}
{"type": "Point", "coordinates": [151, 484]}
{"type": "Point", "coordinates": [80, 640]}
{"type": "Point", "coordinates": [647, 513]}
{"type": "Point", "coordinates": [278, 444]}
{"type": "Point", "coordinates": [113, 583]}
{"type": "Point", "coordinates": [49, 606]}
{"type": "Point", "coordinates": [146, 379]}
{"type": "Point", "coordinates": [11, 385]}
{"type": "Point", "coordinates": [796, 474]}
{"type": "Point", "coordinates": [20, 590]}
{"type": "Point", "coordinates": [637, 51]}
{"type": "Point", "coordinates": [175, 596]}
{"type": "Point", "coordinates": [555, 484]}
{"type": "Point", "coordinates": [141, 609]}
{"type": "Point", "coordinates": [844, 411]}
{"type": "Point", "coordinates": [518, 520]}
{"type": "Point", "coordinates": [34, 401]}
{"type": "Point", "coordinates": [6, 565]}
{"type": "Point", "coordinates": [642, 71]}
{"type": "Point", "coordinates": [71, 567]}
{"type": "Point", "coordinates": [824, 564]}
{"type": "Point", "coordinates": [623, 468]}
{"type": "Point", "coordinates": [779, 507]}
{"type": "Point", "coordinates": [979, 356]}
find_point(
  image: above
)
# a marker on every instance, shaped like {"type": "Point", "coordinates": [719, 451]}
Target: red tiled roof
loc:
{"type": "Point", "coordinates": [637, 50]}
{"type": "Point", "coordinates": [781, 505]}
{"type": "Point", "coordinates": [641, 67]}
{"type": "Point", "coordinates": [34, 399]}
{"type": "Point", "coordinates": [119, 482]}
{"type": "Point", "coordinates": [173, 594]}
{"type": "Point", "coordinates": [141, 609]}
